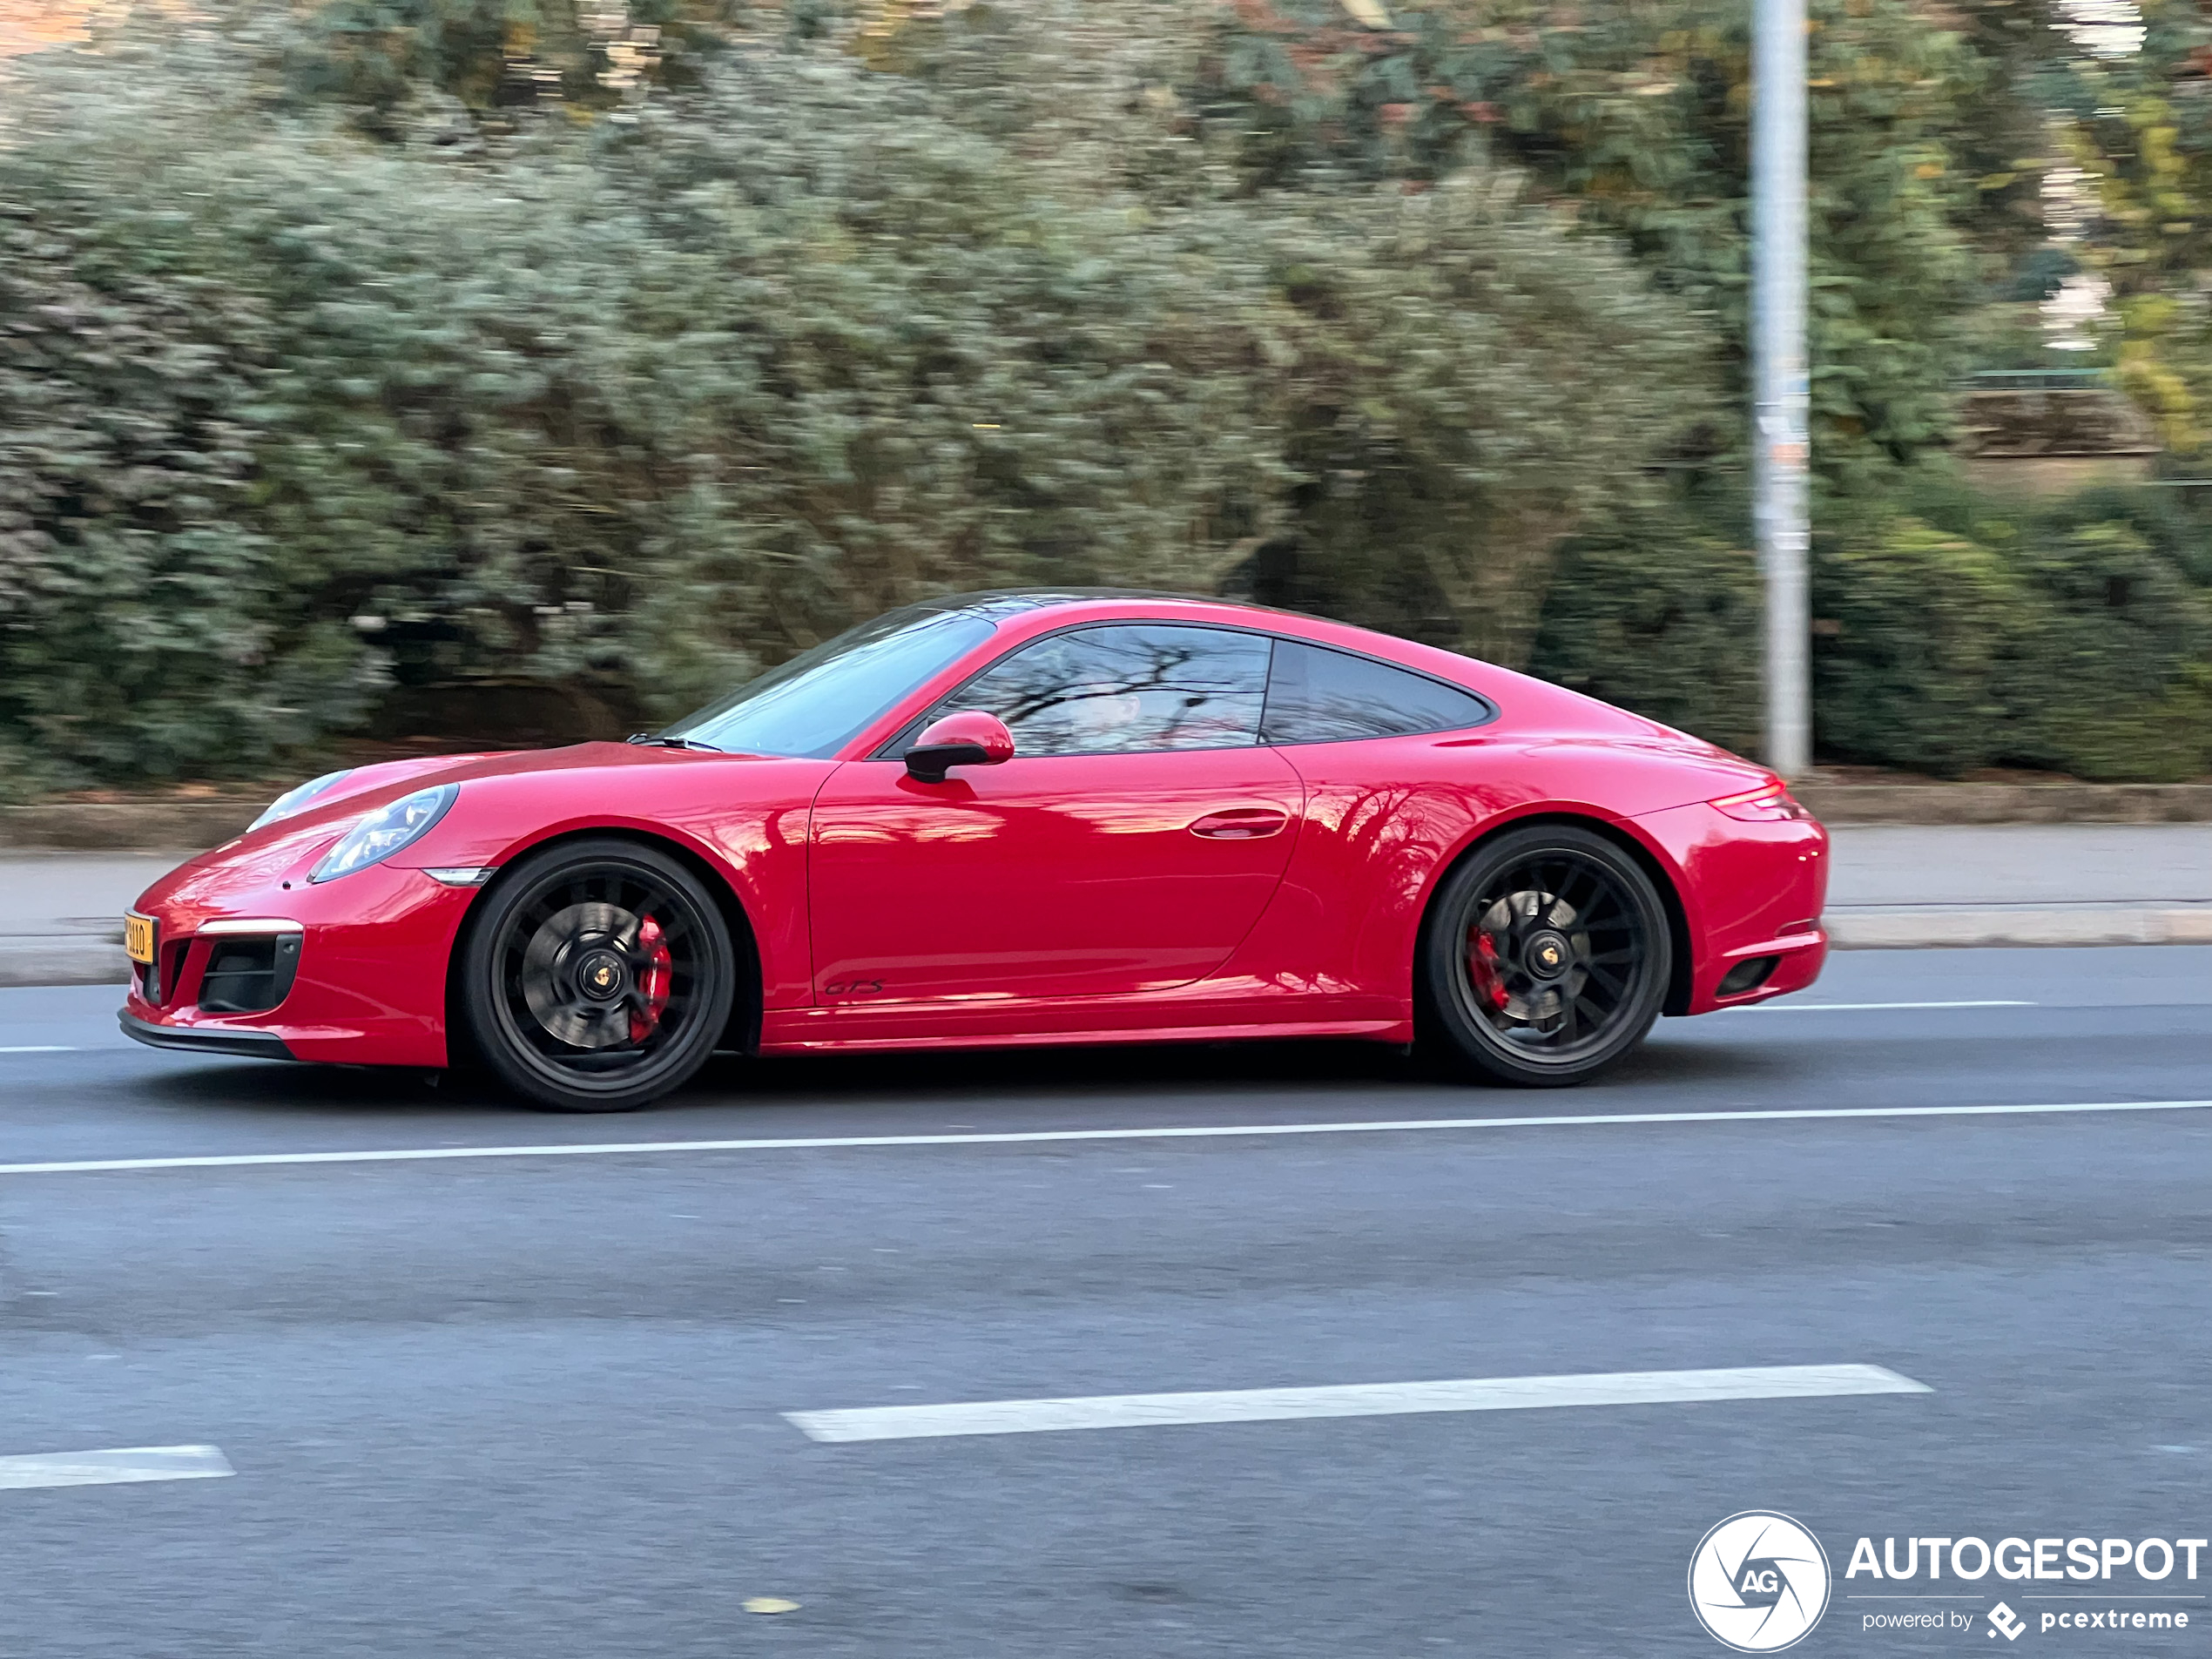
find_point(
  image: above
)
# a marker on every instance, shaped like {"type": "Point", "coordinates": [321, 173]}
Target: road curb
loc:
{"type": "Point", "coordinates": [1922, 927]}
{"type": "Point", "coordinates": [62, 961]}
{"type": "Point", "coordinates": [1939, 803]}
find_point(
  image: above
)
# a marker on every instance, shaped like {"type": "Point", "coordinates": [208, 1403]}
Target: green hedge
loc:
{"type": "Point", "coordinates": [1654, 614]}
{"type": "Point", "coordinates": [2073, 636]}
{"type": "Point", "coordinates": [290, 414]}
{"type": "Point", "coordinates": [303, 408]}
{"type": "Point", "coordinates": [1910, 676]}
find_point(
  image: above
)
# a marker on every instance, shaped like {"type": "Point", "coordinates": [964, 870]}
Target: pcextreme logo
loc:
{"type": "Point", "coordinates": [1758, 1581]}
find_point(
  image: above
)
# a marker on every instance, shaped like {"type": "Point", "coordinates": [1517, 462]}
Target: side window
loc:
{"type": "Point", "coordinates": [1315, 695]}
{"type": "Point", "coordinates": [1126, 687]}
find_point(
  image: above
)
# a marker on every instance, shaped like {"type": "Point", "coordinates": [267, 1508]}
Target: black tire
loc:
{"type": "Point", "coordinates": [597, 976]}
{"type": "Point", "coordinates": [1546, 957]}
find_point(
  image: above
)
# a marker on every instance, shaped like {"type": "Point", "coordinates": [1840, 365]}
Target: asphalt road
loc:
{"type": "Point", "coordinates": [533, 1404]}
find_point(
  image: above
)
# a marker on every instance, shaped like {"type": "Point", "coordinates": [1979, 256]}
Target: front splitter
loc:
{"type": "Point", "coordinates": [256, 1045]}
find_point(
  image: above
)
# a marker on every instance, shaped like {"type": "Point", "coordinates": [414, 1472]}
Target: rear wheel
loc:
{"type": "Point", "coordinates": [599, 976]}
{"type": "Point", "coordinates": [1546, 957]}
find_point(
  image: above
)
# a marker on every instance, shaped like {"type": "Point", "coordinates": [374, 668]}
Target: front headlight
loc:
{"type": "Point", "coordinates": [385, 832]}
{"type": "Point", "coordinates": [293, 800]}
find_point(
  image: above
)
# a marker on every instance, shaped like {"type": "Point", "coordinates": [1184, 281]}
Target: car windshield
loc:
{"type": "Point", "coordinates": [821, 699]}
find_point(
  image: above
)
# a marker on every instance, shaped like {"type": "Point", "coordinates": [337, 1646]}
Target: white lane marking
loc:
{"type": "Point", "coordinates": [1862, 1008]}
{"type": "Point", "coordinates": [40, 1047]}
{"type": "Point", "coordinates": [1023, 1138]}
{"type": "Point", "coordinates": [1361, 1399]}
{"type": "Point", "coordinates": [114, 1468]}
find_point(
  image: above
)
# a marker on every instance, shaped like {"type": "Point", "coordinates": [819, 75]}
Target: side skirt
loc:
{"type": "Point", "coordinates": [791, 1031]}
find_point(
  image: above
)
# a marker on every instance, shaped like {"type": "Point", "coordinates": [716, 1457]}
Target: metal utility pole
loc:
{"type": "Point", "coordinates": [1780, 389]}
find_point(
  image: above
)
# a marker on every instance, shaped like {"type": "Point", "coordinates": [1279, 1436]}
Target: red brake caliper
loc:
{"type": "Point", "coordinates": [1482, 967]}
{"type": "Point", "coordinates": [652, 984]}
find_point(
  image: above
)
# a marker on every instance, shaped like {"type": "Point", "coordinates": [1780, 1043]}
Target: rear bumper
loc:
{"type": "Point", "coordinates": [1797, 960]}
{"type": "Point", "coordinates": [255, 1045]}
{"type": "Point", "coordinates": [1749, 890]}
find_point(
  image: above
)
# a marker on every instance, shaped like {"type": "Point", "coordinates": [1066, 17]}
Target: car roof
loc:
{"type": "Point", "coordinates": [1007, 602]}
{"type": "Point", "coordinates": [1535, 700]}
{"type": "Point", "coordinates": [1031, 612]}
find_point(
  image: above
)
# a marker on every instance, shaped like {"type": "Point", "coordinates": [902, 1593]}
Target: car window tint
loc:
{"type": "Point", "coordinates": [1127, 687]}
{"type": "Point", "coordinates": [1315, 695]}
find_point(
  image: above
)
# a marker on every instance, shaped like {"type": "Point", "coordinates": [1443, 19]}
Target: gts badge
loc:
{"type": "Point", "coordinates": [853, 988]}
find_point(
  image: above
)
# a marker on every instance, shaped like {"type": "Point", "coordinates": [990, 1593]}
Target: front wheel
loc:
{"type": "Point", "coordinates": [597, 978]}
{"type": "Point", "coordinates": [1546, 958]}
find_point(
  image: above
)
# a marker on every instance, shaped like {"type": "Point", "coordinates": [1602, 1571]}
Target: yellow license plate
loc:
{"type": "Point", "coordinates": [137, 938]}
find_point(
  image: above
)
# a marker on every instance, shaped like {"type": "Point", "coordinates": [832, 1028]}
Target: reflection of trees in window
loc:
{"type": "Point", "coordinates": [1115, 690]}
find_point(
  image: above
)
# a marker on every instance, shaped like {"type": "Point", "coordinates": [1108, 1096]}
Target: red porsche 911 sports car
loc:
{"type": "Point", "coordinates": [1009, 819]}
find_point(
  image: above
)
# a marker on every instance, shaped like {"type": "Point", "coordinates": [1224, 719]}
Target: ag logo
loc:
{"type": "Point", "coordinates": [1758, 1583]}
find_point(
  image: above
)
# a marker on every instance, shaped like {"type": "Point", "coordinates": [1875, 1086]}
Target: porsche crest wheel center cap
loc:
{"type": "Point", "coordinates": [588, 980]}
{"type": "Point", "coordinates": [599, 975]}
{"type": "Point", "coordinates": [1546, 954]}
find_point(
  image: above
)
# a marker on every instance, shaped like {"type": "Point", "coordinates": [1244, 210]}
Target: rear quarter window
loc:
{"type": "Point", "coordinates": [1316, 695]}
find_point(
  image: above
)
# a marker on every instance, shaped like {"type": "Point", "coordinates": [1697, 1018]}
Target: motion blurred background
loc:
{"type": "Point", "coordinates": [378, 373]}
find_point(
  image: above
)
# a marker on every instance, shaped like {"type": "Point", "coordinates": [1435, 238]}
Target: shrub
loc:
{"type": "Point", "coordinates": [1652, 614]}
{"type": "Point", "coordinates": [313, 385]}
{"type": "Point", "coordinates": [1969, 633]}
{"type": "Point", "coordinates": [2068, 637]}
{"type": "Point", "coordinates": [288, 412]}
{"type": "Point", "coordinates": [1909, 678]}
{"type": "Point", "coordinates": [2109, 670]}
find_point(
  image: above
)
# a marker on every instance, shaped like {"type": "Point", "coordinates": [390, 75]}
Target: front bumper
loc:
{"type": "Point", "coordinates": [367, 986]}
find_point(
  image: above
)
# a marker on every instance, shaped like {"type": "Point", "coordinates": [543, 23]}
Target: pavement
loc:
{"type": "Point", "coordinates": [1893, 886]}
{"type": "Point", "coordinates": [2020, 884]}
{"type": "Point", "coordinates": [61, 914]}
{"type": "Point", "coordinates": [500, 1386]}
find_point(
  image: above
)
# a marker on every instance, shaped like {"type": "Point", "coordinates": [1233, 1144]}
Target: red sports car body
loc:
{"type": "Point", "coordinates": [1010, 819]}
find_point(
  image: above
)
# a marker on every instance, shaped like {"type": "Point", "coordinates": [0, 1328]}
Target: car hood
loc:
{"type": "Point", "coordinates": [367, 788]}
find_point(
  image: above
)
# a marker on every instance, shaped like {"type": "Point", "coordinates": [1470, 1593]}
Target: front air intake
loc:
{"type": "Point", "coordinates": [249, 974]}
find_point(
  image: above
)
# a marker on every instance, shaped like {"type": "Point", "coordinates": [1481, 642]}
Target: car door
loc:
{"type": "Point", "coordinates": [1129, 845]}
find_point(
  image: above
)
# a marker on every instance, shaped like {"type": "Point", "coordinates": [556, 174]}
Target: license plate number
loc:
{"type": "Point", "coordinates": [137, 938]}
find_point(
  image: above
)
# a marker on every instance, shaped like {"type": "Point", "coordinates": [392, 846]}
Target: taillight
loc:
{"type": "Point", "coordinates": [1768, 804]}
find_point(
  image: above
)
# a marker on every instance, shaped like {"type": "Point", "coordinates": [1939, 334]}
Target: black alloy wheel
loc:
{"type": "Point", "coordinates": [597, 977]}
{"type": "Point", "coordinates": [1546, 956]}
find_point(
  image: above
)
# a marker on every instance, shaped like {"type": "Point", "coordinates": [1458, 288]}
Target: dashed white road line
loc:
{"type": "Point", "coordinates": [40, 1047]}
{"type": "Point", "coordinates": [114, 1468]}
{"type": "Point", "coordinates": [1362, 1400]}
{"type": "Point", "coordinates": [1779, 1007]}
{"type": "Point", "coordinates": [1024, 1137]}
